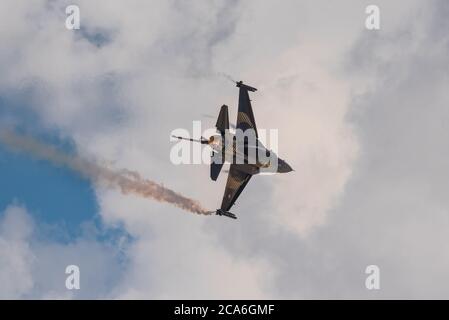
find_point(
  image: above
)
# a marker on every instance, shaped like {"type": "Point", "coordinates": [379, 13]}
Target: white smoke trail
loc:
{"type": "Point", "coordinates": [226, 76]}
{"type": "Point", "coordinates": [127, 181]}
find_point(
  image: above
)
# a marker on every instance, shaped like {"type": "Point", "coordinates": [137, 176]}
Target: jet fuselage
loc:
{"type": "Point", "coordinates": [251, 154]}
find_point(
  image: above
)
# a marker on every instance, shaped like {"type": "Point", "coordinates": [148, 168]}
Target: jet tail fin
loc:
{"type": "Point", "coordinates": [223, 120]}
{"type": "Point", "coordinates": [222, 125]}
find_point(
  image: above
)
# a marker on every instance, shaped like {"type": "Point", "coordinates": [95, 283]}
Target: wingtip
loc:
{"type": "Point", "coordinates": [240, 84]}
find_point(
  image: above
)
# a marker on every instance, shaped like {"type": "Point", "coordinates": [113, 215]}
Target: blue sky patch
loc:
{"type": "Point", "coordinates": [57, 197]}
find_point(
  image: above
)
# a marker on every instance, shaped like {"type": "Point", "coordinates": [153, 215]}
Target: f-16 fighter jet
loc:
{"type": "Point", "coordinates": [246, 154]}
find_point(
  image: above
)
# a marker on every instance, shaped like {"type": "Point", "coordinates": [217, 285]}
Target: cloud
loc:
{"type": "Point", "coordinates": [360, 117]}
{"type": "Point", "coordinates": [33, 266]}
{"type": "Point", "coordinates": [392, 212]}
{"type": "Point", "coordinates": [177, 257]}
{"type": "Point", "coordinates": [15, 271]}
{"type": "Point", "coordinates": [69, 99]}
{"type": "Point", "coordinates": [96, 96]}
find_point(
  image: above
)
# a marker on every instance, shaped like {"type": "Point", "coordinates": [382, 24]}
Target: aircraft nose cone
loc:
{"type": "Point", "coordinates": [288, 168]}
{"type": "Point", "coordinates": [284, 167]}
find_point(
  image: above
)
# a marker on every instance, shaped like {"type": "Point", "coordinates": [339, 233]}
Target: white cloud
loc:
{"type": "Point", "coordinates": [32, 266]}
{"type": "Point", "coordinates": [16, 256]}
{"type": "Point", "coordinates": [120, 101]}
{"type": "Point", "coordinates": [156, 77]}
{"type": "Point", "coordinates": [175, 256]}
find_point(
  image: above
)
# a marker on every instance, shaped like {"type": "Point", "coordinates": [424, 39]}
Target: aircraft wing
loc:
{"type": "Point", "coordinates": [237, 181]}
{"type": "Point", "coordinates": [245, 116]}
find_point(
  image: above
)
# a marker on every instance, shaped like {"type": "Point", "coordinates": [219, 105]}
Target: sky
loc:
{"type": "Point", "coordinates": [361, 116]}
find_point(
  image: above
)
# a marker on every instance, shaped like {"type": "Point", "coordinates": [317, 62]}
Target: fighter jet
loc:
{"type": "Point", "coordinates": [243, 150]}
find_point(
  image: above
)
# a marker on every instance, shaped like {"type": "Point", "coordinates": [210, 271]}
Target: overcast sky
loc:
{"type": "Point", "coordinates": [362, 118]}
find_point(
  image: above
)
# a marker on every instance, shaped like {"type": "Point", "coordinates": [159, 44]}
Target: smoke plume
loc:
{"type": "Point", "coordinates": [128, 181]}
